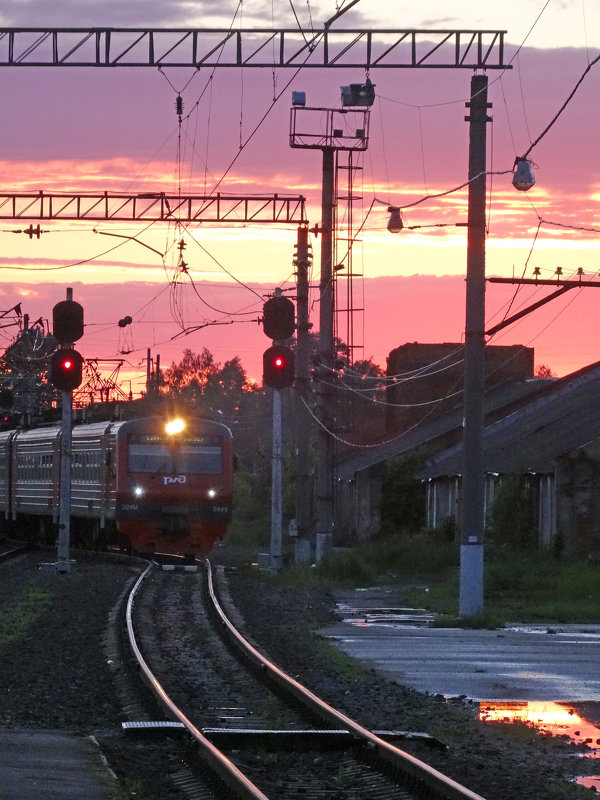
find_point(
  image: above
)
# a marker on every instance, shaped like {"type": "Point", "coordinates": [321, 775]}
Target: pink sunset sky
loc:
{"type": "Point", "coordinates": [86, 129]}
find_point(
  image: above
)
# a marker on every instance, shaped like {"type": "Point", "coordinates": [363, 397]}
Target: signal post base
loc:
{"type": "Point", "coordinates": [323, 544]}
{"type": "Point", "coordinates": [58, 566]}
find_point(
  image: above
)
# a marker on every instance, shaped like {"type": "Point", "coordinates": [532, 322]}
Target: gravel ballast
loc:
{"type": "Point", "coordinates": [54, 674]}
{"type": "Point", "coordinates": [497, 761]}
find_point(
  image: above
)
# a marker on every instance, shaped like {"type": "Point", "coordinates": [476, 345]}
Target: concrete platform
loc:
{"type": "Point", "coordinates": [52, 765]}
{"type": "Point", "coordinates": [529, 663]}
{"type": "Point", "coordinates": [516, 664]}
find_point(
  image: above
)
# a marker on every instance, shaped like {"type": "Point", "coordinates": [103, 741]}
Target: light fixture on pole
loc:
{"type": "Point", "coordinates": [523, 177]}
{"type": "Point", "coordinates": [358, 94]}
{"type": "Point", "coordinates": [395, 223]}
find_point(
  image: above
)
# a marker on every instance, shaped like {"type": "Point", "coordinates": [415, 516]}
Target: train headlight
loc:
{"type": "Point", "coordinates": [138, 491]}
{"type": "Point", "coordinates": [212, 493]}
{"type": "Point", "coordinates": [174, 426]}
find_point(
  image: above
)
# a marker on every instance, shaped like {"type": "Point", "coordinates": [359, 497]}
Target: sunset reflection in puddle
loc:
{"type": "Point", "coordinates": [557, 719]}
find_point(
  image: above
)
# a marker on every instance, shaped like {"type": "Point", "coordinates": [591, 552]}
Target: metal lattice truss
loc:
{"type": "Point", "coordinates": [97, 389]}
{"type": "Point", "coordinates": [258, 47]}
{"type": "Point", "coordinates": [153, 207]}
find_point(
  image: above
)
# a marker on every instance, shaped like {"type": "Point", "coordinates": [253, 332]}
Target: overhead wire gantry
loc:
{"type": "Point", "coordinates": [153, 207]}
{"type": "Point", "coordinates": [388, 48]}
{"type": "Point", "coordinates": [475, 50]}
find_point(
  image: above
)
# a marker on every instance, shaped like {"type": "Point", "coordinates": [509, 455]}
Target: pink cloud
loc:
{"type": "Point", "coordinates": [102, 130]}
{"type": "Point", "coordinates": [399, 310]}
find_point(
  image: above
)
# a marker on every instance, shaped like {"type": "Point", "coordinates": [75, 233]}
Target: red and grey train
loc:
{"type": "Point", "coordinates": [149, 485]}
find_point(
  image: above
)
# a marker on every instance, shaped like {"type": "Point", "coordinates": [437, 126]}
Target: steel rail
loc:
{"type": "Point", "coordinates": [410, 767]}
{"type": "Point", "coordinates": [14, 551]}
{"type": "Point", "coordinates": [217, 761]}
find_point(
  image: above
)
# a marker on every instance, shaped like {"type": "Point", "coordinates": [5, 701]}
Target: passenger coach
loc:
{"type": "Point", "coordinates": [148, 484]}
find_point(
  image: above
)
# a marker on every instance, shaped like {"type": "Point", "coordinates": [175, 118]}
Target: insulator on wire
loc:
{"type": "Point", "coordinates": [179, 105]}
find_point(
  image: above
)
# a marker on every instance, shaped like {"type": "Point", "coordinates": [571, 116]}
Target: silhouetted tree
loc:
{"type": "Point", "coordinates": [224, 393]}
{"type": "Point", "coordinates": [544, 371]}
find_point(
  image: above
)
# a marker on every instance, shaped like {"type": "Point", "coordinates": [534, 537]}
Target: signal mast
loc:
{"type": "Point", "coordinates": [65, 374]}
{"type": "Point", "coordinates": [279, 323]}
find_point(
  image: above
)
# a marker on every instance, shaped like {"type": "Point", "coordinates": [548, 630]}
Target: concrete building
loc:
{"type": "Point", "coordinates": [545, 429]}
{"type": "Point", "coordinates": [554, 441]}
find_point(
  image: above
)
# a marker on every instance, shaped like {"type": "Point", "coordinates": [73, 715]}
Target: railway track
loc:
{"type": "Point", "coordinates": [256, 731]}
{"type": "Point", "coordinates": [10, 550]}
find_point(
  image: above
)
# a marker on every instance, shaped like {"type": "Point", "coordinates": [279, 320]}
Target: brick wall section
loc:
{"type": "Point", "coordinates": [436, 371]}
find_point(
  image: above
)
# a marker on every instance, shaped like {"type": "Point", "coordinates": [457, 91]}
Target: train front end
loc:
{"type": "Point", "coordinates": [174, 484]}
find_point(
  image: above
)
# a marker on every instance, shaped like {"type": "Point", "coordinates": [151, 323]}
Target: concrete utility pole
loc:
{"type": "Point", "coordinates": [471, 550]}
{"type": "Point", "coordinates": [324, 530]}
{"type": "Point", "coordinates": [275, 551]}
{"type": "Point", "coordinates": [302, 419]}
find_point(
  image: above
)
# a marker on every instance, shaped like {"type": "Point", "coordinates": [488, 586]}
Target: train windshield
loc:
{"type": "Point", "coordinates": [188, 459]}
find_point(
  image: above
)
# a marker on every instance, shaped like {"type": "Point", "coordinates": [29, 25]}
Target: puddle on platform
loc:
{"type": "Point", "coordinates": [557, 719]}
{"type": "Point", "coordinates": [371, 615]}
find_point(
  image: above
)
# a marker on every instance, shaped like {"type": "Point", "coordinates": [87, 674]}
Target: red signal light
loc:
{"type": "Point", "coordinates": [278, 367]}
{"type": "Point", "coordinates": [66, 369]}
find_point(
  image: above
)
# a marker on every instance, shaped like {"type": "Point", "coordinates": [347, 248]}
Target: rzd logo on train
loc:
{"type": "Point", "coordinates": [178, 479]}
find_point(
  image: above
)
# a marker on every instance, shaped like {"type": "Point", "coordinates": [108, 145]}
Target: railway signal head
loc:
{"type": "Point", "coordinates": [9, 420]}
{"type": "Point", "coordinates": [66, 369]}
{"type": "Point", "coordinates": [67, 321]}
{"type": "Point", "coordinates": [358, 94]}
{"type": "Point", "coordinates": [7, 399]}
{"type": "Point", "coordinates": [279, 318]}
{"type": "Point", "coordinates": [278, 367]}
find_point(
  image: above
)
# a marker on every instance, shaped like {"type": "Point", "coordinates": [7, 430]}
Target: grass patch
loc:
{"type": "Point", "coordinates": [539, 588]}
{"type": "Point", "coordinates": [17, 617]}
{"type": "Point", "coordinates": [518, 585]}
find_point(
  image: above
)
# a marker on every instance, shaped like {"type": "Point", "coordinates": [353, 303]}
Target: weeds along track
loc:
{"type": "Point", "coordinates": [247, 726]}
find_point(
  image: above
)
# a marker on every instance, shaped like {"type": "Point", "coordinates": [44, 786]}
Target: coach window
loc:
{"type": "Point", "coordinates": [151, 458]}
{"type": "Point", "coordinates": [92, 466]}
{"type": "Point", "coordinates": [201, 460]}
{"type": "Point", "coordinates": [76, 467]}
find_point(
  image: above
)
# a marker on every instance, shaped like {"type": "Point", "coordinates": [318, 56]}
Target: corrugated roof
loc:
{"type": "Point", "coordinates": [563, 419]}
{"type": "Point", "coordinates": [431, 428]}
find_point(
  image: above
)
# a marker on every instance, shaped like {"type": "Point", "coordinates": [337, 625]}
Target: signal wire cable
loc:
{"type": "Point", "coordinates": [370, 446]}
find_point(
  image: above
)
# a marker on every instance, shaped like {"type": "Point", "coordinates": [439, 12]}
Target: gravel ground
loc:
{"type": "Point", "coordinates": [53, 666]}
{"type": "Point", "coordinates": [54, 675]}
{"type": "Point", "coordinates": [496, 761]}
